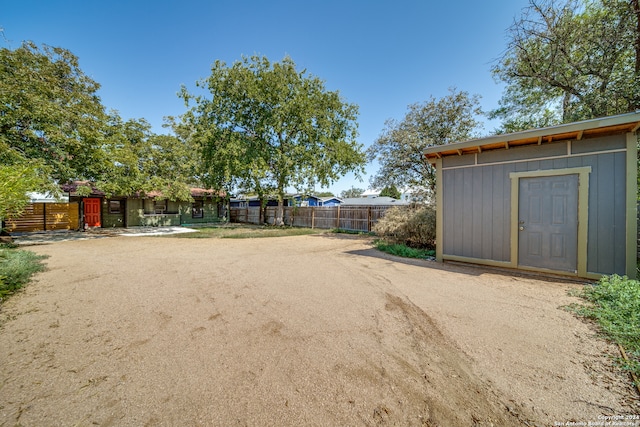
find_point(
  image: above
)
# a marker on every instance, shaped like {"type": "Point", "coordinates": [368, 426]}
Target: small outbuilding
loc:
{"type": "Point", "coordinates": [561, 199]}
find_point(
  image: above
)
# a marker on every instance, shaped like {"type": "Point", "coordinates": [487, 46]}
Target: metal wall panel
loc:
{"type": "Point", "coordinates": [614, 142]}
{"type": "Point", "coordinates": [453, 161]}
{"type": "Point", "coordinates": [607, 223]}
{"type": "Point", "coordinates": [523, 153]}
{"type": "Point", "coordinates": [477, 210]}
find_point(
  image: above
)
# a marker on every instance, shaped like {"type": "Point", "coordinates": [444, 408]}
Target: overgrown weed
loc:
{"type": "Point", "coordinates": [16, 268]}
{"type": "Point", "coordinates": [614, 303]}
{"type": "Point", "coordinates": [403, 250]}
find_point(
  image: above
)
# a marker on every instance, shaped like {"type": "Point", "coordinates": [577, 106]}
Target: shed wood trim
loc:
{"type": "Point", "coordinates": [632, 204]}
{"type": "Point", "coordinates": [623, 123]}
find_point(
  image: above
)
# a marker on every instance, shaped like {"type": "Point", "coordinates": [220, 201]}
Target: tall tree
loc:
{"type": "Point", "coordinates": [267, 126]}
{"type": "Point", "coordinates": [15, 182]}
{"type": "Point", "coordinates": [391, 191]}
{"type": "Point", "coordinates": [325, 194]}
{"type": "Point", "coordinates": [570, 60]}
{"type": "Point", "coordinates": [53, 126]}
{"type": "Point", "coordinates": [49, 111]}
{"type": "Point", "coordinates": [351, 193]}
{"type": "Point", "coordinates": [399, 149]}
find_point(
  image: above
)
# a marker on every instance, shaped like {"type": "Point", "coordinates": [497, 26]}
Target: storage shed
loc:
{"type": "Point", "coordinates": [561, 199]}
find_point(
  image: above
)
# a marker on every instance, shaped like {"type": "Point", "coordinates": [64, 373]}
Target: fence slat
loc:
{"type": "Point", "coordinates": [45, 217]}
{"type": "Point", "coordinates": [352, 218]}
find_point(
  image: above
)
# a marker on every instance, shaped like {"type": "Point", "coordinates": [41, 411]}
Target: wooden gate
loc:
{"type": "Point", "coordinates": [45, 217]}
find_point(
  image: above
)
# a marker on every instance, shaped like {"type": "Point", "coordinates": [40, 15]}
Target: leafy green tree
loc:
{"type": "Point", "coordinates": [51, 118]}
{"type": "Point", "coordinates": [399, 149]}
{"type": "Point", "coordinates": [570, 60]}
{"type": "Point", "coordinates": [351, 193]}
{"type": "Point", "coordinates": [267, 127]}
{"type": "Point", "coordinates": [49, 111]}
{"type": "Point", "coordinates": [391, 191]}
{"type": "Point", "coordinates": [325, 194]}
{"type": "Point", "coordinates": [15, 182]}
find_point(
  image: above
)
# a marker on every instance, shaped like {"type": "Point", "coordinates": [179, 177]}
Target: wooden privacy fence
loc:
{"type": "Point", "coordinates": [353, 218]}
{"type": "Point", "coordinates": [45, 217]}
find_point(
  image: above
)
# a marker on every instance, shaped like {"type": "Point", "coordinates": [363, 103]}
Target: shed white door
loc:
{"type": "Point", "coordinates": [548, 222]}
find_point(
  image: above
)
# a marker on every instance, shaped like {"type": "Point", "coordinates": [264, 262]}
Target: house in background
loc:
{"type": "Point", "coordinates": [406, 194]}
{"type": "Point", "coordinates": [331, 201]}
{"type": "Point", "coordinates": [300, 200]}
{"type": "Point", "coordinates": [373, 201]}
{"type": "Point", "coordinates": [370, 193]}
{"type": "Point", "coordinates": [97, 210]}
{"type": "Point", "coordinates": [560, 199]}
{"type": "Point", "coordinates": [253, 202]}
{"type": "Point", "coordinates": [289, 200]}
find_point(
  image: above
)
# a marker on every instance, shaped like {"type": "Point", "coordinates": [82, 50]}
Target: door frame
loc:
{"type": "Point", "coordinates": [583, 214]}
{"type": "Point", "coordinates": [84, 221]}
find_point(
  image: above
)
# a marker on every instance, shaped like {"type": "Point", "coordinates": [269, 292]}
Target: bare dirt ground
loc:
{"type": "Point", "coordinates": [314, 330]}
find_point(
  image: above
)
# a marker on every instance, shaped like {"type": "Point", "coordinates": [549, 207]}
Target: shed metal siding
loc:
{"type": "Point", "coordinates": [452, 161]}
{"type": "Point", "coordinates": [523, 153]}
{"type": "Point", "coordinates": [477, 200]}
{"type": "Point", "coordinates": [614, 142]}
{"type": "Point", "coordinates": [607, 222]}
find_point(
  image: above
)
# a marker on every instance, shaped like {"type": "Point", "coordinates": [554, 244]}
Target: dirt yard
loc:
{"type": "Point", "coordinates": [297, 331]}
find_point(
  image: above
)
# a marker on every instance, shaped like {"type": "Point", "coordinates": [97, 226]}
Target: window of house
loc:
{"type": "Point", "coordinates": [196, 210]}
{"type": "Point", "coordinates": [115, 206]}
{"type": "Point", "coordinates": [159, 206]}
{"type": "Point", "coordinates": [173, 207]}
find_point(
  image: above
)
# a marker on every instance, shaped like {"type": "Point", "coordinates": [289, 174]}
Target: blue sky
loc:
{"type": "Point", "coordinates": [380, 55]}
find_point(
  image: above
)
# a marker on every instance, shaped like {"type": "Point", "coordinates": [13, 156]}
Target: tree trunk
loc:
{"type": "Point", "coordinates": [279, 219]}
{"type": "Point", "coordinates": [566, 102]}
{"type": "Point", "coordinates": [263, 210]}
{"type": "Point", "coordinates": [261, 203]}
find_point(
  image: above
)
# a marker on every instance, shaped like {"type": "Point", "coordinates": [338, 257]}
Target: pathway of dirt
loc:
{"type": "Point", "coordinates": [311, 330]}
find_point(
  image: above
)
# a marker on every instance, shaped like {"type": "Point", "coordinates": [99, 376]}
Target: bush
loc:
{"type": "Point", "coordinates": [616, 308]}
{"type": "Point", "coordinates": [411, 226]}
{"type": "Point", "coordinates": [403, 251]}
{"type": "Point", "coordinates": [16, 268]}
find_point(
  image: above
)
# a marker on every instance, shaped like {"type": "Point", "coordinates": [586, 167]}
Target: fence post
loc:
{"type": "Point", "coordinates": [313, 216]}
{"type": "Point", "coordinates": [338, 218]}
{"type": "Point", "coordinates": [44, 216]}
{"type": "Point", "coordinates": [369, 219]}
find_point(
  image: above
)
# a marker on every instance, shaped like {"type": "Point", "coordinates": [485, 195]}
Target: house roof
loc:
{"type": "Point", "coordinates": [326, 199]}
{"type": "Point", "coordinates": [622, 123]}
{"type": "Point", "coordinates": [72, 188]}
{"type": "Point", "coordinates": [371, 192]}
{"type": "Point", "coordinates": [195, 192]}
{"type": "Point", "coordinates": [372, 201]}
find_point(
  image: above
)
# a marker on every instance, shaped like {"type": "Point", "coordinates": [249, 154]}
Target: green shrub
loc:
{"type": "Point", "coordinates": [16, 268]}
{"type": "Point", "coordinates": [345, 231]}
{"type": "Point", "coordinates": [411, 226]}
{"type": "Point", "coordinates": [403, 250]}
{"type": "Point", "coordinates": [616, 308]}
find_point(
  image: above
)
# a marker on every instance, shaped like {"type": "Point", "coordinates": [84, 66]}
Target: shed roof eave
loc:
{"type": "Point", "coordinates": [631, 119]}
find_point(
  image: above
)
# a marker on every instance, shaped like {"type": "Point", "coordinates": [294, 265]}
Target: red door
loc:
{"type": "Point", "coordinates": [92, 212]}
